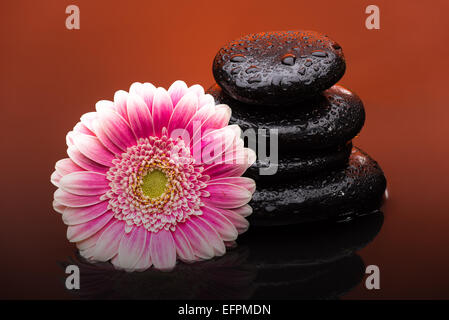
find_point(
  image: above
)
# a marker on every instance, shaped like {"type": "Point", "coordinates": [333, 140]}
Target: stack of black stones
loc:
{"type": "Point", "coordinates": [287, 81]}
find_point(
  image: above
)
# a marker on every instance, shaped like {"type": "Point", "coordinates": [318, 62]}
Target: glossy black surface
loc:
{"type": "Point", "coordinates": [326, 120]}
{"type": "Point", "coordinates": [357, 188]}
{"type": "Point", "coordinates": [302, 165]}
{"type": "Point", "coordinates": [312, 261]}
{"type": "Point", "coordinates": [278, 67]}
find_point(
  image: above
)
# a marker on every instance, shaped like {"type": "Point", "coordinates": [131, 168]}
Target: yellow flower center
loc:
{"type": "Point", "coordinates": [154, 183]}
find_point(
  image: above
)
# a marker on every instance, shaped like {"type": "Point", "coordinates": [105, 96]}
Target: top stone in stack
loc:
{"type": "Point", "coordinates": [278, 68]}
{"type": "Point", "coordinates": [286, 81]}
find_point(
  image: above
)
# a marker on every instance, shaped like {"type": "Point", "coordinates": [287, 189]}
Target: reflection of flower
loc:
{"type": "Point", "coordinates": [318, 261]}
{"type": "Point", "coordinates": [226, 277]}
{"type": "Point", "coordinates": [137, 188]}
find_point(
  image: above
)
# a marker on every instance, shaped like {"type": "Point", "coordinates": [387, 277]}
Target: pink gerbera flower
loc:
{"type": "Point", "coordinates": [154, 176]}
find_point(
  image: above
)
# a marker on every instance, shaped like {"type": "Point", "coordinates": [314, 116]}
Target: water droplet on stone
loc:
{"type": "Point", "coordinates": [252, 69]}
{"type": "Point", "coordinates": [238, 58]}
{"type": "Point", "coordinates": [255, 79]}
{"type": "Point", "coordinates": [289, 59]}
{"type": "Point", "coordinates": [319, 53]}
{"type": "Point", "coordinates": [236, 70]}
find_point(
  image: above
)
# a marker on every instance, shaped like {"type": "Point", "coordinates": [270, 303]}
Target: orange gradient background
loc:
{"type": "Point", "coordinates": [51, 75]}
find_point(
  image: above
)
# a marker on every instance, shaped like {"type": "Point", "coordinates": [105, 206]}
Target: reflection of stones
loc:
{"type": "Point", "coordinates": [291, 262]}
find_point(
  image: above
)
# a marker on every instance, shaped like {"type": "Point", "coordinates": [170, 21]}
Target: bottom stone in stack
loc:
{"type": "Point", "coordinates": [356, 189]}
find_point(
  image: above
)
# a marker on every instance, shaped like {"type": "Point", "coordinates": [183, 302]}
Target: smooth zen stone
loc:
{"type": "Point", "coordinates": [302, 165]}
{"type": "Point", "coordinates": [358, 188]}
{"type": "Point", "coordinates": [278, 67]}
{"type": "Point", "coordinates": [329, 119]}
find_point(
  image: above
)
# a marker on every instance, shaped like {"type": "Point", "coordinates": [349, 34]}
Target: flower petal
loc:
{"type": "Point", "coordinates": [58, 207]}
{"type": "Point", "coordinates": [218, 119]}
{"type": "Point", "coordinates": [226, 195]}
{"type": "Point", "coordinates": [195, 124]}
{"type": "Point", "coordinates": [215, 145]}
{"type": "Point", "coordinates": [102, 136]}
{"type": "Point", "coordinates": [245, 182]}
{"type": "Point", "coordinates": [88, 118]}
{"type": "Point", "coordinates": [54, 178]}
{"type": "Point", "coordinates": [148, 91]}
{"type": "Point", "coordinates": [108, 244]}
{"type": "Point", "coordinates": [104, 105]}
{"type": "Point", "coordinates": [211, 235]}
{"type": "Point", "coordinates": [83, 231]}
{"type": "Point", "coordinates": [144, 261]}
{"type": "Point", "coordinates": [198, 240]}
{"type": "Point", "coordinates": [205, 99]}
{"type": "Point", "coordinates": [183, 112]}
{"type": "Point", "coordinates": [73, 200]}
{"type": "Point", "coordinates": [244, 211]}
{"type": "Point", "coordinates": [136, 88]}
{"type": "Point", "coordinates": [240, 223]}
{"type": "Point", "coordinates": [183, 248]}
{"type": "Point", "coordinates": [176, 91]}
{"type": "Point", "coordinates": [163, 252]}
{"type": "Point", "coordinates": [219, 222]}
{"type": "Point", "coordinates": [84, 162]}
{"type": "Point", "coordinates": [120, 106]}
{"type": "Point", "coordinates": [66, 166]}
{"type": "Point", "coordinates": [85, 183]}
{"type": "Point", "coordinates": [89, 242]}
{"type": "Point", "coordinates": [234, 167]}
{"type": "Point", "coordinates": [81, 128]}
{"type": "Point", "coordinates": [92, 240]}
{"type": "Point", "coordinates": [197, 89]}
{"type": "Point", "coordinates": [116, 129]}
{"type": "Point", "coordinates": [139, 116]}
{"type": "Point", "coordinates": [161, 111]}
{"type": "Point", "coordinates": [77, 215]}
{"type": "Point", "coordinates": [131, 247]}
{"type": "Point", "coordinates": [92, 148]}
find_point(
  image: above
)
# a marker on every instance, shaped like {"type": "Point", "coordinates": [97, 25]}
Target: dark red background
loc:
{"type": "Point", "coordinates": [51, 75]}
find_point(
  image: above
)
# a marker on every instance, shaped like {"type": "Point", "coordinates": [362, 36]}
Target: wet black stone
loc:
{"type": "Point", "coordinates": [329, 119]}
{"type": "Point", "coordinates": [356, 189]}
{"type": "Point", "coordinates": [301, 165]}
{"type": "Point", "coordinates": [286, 66]}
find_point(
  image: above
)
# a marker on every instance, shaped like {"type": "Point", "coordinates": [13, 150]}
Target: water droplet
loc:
{"type": "Point", "coordinates": [252, 69]}
{"type": "Point", "coordinates": [289, 59]}
{"type": "Point", "coordinates": [235, 70]}
{"type": "Point", "coordinates": [255, 79]}
{"type": "Point", "coordinates": [302, 71]}
{"type": "Point", "coordinates": [308, 63]}
{"type": "Point", "coordinates": [238, 58]}
{"type": "Point", "coordinates": [319, 53]}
